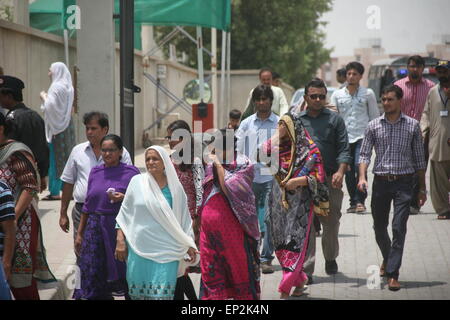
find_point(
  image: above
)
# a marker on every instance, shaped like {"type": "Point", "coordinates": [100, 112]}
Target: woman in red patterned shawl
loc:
{"type": "Point", "coordinates": [18, 169]}
{"type": "Point", "coordinates": [229, 230]}
{"type": "Point", "coordinates": [299, 191]}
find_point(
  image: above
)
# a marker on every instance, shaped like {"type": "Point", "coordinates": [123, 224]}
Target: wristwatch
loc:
{"type": "Point", "coordinates": [423, 191]}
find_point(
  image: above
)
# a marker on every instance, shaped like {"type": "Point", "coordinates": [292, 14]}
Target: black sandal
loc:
{"type": "Point", "coordinates": [51, 198]}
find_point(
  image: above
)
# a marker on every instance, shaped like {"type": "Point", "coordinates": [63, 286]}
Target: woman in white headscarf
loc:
{"type": "Point", "coordinates": [59, 130]}
{"type": "Point", "coordinates": [155, 235]}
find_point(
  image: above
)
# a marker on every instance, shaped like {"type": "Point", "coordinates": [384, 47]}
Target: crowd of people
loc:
{"type": "Point", "coordinates": [260, 189]}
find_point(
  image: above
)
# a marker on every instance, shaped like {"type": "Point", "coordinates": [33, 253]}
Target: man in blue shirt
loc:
{"type": "Point", "coordinates": [252, 133]}
{"type": "Point", "coordinates": [357, 105]}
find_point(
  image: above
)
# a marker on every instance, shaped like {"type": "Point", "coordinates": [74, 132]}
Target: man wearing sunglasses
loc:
{"type": "Point", "coordinates": [357, 105]}
{"type": "Point", "coordinates": [435, 123]}
{"type": "Point", "coordinates": [327, 129]}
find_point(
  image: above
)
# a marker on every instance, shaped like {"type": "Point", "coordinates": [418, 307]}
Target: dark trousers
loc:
{"type": "Point", "coordinates": [383, 193]}
{"type": "Point", "coordinates": [416, 188]}
{"type": "Point", "coordinates": [185, 286]}
{"type": "Point", "coordinates": [352, 176]}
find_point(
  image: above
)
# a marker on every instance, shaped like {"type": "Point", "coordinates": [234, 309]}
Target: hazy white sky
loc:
{"type": "Point", "coordinates": [406, 26]}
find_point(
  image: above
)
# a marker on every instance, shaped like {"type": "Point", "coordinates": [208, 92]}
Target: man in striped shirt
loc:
{"type": "Point", "coordinates": [7, 230]}
{"type": "Point", "coordinates": [398, 144]}
{"type": "Point", "coordinates": [415, 91]}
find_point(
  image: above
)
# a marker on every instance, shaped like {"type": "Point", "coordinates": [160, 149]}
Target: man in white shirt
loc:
{"type": "Point", "coordinates": [279, 103]}
{"type": "Point", "coordinates": [252, 133]}
{"type": "Point", "coordinates": [82, 159]}
{"type": "Point", "coordinates": [358, 106]}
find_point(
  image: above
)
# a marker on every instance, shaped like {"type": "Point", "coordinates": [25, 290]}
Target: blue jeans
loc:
{"type": "Point", "coordinates": [5, 293]}
{"type": "Point", "coordinates": [262, 192]}
{"type": "Point", "coordinates": [352, 176]}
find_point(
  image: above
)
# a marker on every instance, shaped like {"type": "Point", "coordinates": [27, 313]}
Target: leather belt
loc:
{"type": "Point", "coordinates": [393, 177]}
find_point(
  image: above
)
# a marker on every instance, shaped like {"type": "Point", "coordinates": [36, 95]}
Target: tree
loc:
{"type": "Point", "coordinates": [284, 35]}
{"type": "Point", "coordinates": [6, 10]}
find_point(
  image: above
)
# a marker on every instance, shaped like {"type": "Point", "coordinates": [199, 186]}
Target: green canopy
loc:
{"type": "Point", "coordinates": [50, 15]}
{"type": "Point", "coordinates": [204, 13]}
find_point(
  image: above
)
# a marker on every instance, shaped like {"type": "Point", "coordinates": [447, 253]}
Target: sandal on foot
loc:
{"type": "Point", "coordinates": [360, 208]}
{"type": "Point", "coordinates": [298, 292]}
{"type": "Point", "coordinates": [444, 216]}
{"type": "Point", "coordinates": [51, 198]}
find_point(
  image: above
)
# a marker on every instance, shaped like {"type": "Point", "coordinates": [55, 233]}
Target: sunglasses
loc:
{"type": "Point", "coordinates": [315, 96]}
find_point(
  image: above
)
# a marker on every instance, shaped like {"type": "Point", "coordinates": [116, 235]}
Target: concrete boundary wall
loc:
{"type": "Point", "coordinates": [27, 53]}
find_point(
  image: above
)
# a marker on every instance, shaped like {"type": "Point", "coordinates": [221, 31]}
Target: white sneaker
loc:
{"type": "Point", "coordinates": [414, 210]}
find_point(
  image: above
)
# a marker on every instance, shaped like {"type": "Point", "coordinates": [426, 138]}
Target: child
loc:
{"type": "Point", "coordinates": [234, 119]}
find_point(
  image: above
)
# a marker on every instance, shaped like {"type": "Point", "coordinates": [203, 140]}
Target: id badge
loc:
{"type": "Point", "coordinates": [444, 113]}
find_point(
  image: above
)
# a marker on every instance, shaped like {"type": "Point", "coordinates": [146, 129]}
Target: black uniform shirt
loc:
{"type": "Point", "coordinates": [30, 130]}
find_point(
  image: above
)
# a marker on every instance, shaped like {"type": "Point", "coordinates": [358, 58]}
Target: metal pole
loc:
{"type": "Point", "coordinates": [214, 75]}
{"type": "Point", "coordinates": [127, 88]}
{"type": "Point", "coordinates": [200, 62]}
{"type": "Point", "coordinates": [222, 74]}
{"type": "Point", "coordinates": [229, 72]}
{"type": "Point", "coordinates": [66, 46]}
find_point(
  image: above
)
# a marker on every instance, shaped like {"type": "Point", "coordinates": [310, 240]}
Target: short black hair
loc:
{"type": "Point", "coordinates": [265, 70]}
{"type": "Point", "coordinates": [418, 60]}
{"type": "Point", "coordinates": [262, 91]}
{"type": "Point", "coordinates": [315, 83]}
{"type": "Point", "coordinates": [179, 124]}
{"type": "Point", "coordinates": [101, 117]}
{"type": "Point", "coordinates": [114, 138]}
{"type": "Point", "coordinates": [226, 135]}
{"type": "Point", "coordinates": [393, 88]}
{"type": "Point", "coordinates": [235, 114]}
{"type": "Point", "coordinates": [341, 72]}
{"type": "Point", "coordinates": [16, 95]}
{"type": "Point", "coordinates": [276, 75]}
{"type": "Point", "coordinates": [356, 66]}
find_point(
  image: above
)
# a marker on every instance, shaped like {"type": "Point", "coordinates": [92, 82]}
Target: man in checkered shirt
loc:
{"type": "Point", "coordinates": [400, 155]}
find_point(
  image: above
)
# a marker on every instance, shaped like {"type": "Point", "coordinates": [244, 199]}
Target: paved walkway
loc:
{"type": "Point", "coordinates": [425, 272]}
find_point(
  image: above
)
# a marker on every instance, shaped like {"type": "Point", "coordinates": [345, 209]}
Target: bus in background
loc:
{"type": "Point", "coordinates": [386, 71]}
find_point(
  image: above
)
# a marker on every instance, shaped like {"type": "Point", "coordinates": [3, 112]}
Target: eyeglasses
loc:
{"type": "Point", "coordinates": [109, 150]}
{"type": "Point", "coordinates": [315, 96]}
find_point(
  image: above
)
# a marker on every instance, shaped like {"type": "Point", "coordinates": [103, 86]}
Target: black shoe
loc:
{"type": "Point", "coordinates": [331, 267]}
{"type": "Point", "coordinates": [310, 280]}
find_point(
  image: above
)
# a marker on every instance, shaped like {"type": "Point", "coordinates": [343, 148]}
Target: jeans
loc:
{"type": "Point", "coordinates": [267, 250]}
{"type": "Point", "coordinates": [352, 176]}
{"type": "Point", "coordinates": [262, 192]}
{"type": "Point", "coordinates": [384, 192]}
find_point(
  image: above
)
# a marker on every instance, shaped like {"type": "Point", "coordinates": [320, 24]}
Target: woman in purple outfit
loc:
{"type": "Point", "coordinates": [102, 276]}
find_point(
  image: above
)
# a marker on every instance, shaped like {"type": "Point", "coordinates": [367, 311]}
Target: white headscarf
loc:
{"type": "Point", "coordinates": [174, 243]}
{"type": "Point", "coordinates": [57, 107]}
